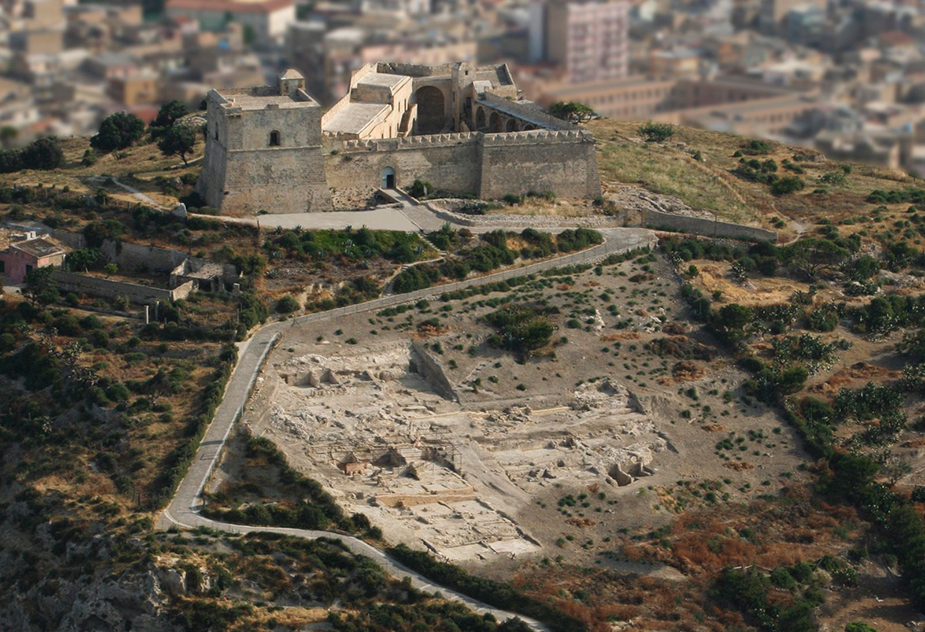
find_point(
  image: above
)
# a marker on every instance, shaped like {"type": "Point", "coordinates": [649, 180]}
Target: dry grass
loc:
{"type": "Point", "coordinates": [136, 166]}
{"type": "Point", "coordinates": [539, 207]}
{"type": "Point", "coordinates": [716, 276]}
{"type": "Point", "coordinates": [609, 599]}
{"type": "Point", "coordinates": [710, 185]}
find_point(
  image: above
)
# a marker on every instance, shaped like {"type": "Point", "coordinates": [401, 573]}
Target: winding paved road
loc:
{"type": "Point", "coordinates": [184, 509]}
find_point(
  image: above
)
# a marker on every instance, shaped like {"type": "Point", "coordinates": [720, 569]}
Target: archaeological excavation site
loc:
{"type": "Point", "coordinates": [455, 432]}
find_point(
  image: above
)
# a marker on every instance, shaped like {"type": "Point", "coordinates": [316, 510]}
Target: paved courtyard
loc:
{"type": "Point", "coordinates": [376, 219]}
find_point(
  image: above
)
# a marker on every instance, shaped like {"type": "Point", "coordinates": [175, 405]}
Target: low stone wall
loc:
{"type": "Point", "coordinates": [432, 371]}
{"type": "Point", "coordinates": [708, 227]}
{"type": "Point", "coordinates": [107, 288]}
{"type": "Point", "coordinates": [134, 257]}
{"type": "Point", "coordinates": [425, 498]}
{"type": "Point", "coordinates": [511, 220]}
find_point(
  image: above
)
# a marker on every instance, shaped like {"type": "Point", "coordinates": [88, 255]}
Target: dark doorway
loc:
{"type": "Point", "coordinates": [494, 122]}
{"type": "Point", "coordinates": [431, 110]}
{"type": "Point", "coordinates": [388, 178]}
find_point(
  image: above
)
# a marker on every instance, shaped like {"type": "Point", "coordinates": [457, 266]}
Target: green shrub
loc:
{"type": "Point", "coordinates": [522, 328]}
{"type": "Point", "coordinates": [287, 305]}
{"type": "Point", "coordinates": [656, 132]}
{"type": "Point", "coordinates": [756, 148]}
{"type": "Point", "coordinates": [351, 244]}
{"type": "Point", "coordinates": [907, 196]}
{"type": "Point", "coordinates": [420, 189]}
{"type": "Point", "coordinates": [787, 185]}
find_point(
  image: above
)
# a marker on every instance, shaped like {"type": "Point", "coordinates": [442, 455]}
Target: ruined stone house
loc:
{"type": "Point", "coordinates": [460, 127]}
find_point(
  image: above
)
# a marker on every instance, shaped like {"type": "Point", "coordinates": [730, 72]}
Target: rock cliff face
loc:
{"type": "Point", "coordinates": [137, 600]}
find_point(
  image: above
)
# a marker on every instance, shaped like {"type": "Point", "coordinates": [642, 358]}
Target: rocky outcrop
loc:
{"type": "Point", "coordinates": [137, 600]}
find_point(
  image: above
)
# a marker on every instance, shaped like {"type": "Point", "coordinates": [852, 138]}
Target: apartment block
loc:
{"type": "Point", "coordinates": [266, 20]}
{"type": "Point", "coordinates": [590, 39]}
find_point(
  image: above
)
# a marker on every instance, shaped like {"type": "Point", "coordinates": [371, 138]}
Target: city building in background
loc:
{"type": "Point", "coordinates": [587, 38]}
{"type": "Point", "coordinates": [847, 78]}
{"type": "Point", "coordinates": [264, 21]}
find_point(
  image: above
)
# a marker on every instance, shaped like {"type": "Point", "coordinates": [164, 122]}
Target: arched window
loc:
{"type": "Point", "coordinates": [274, 139]}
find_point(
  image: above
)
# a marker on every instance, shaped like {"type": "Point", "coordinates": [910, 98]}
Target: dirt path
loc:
{"type": "Point", "coordinates": [139, 195]}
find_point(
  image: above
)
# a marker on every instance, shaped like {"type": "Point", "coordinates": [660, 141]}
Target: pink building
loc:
{"type": "Point", "coordinates": [589, 38]}
{"type": "Point", "coordinates": [22, 257]}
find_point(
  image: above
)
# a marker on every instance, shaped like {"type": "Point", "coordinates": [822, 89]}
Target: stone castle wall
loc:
{"type": "Point", "coordinates": [563, 162]}
{"type": "Point", "coordinates": [448, 161]}
{"type": "Point", "coordinates": [472, 163]}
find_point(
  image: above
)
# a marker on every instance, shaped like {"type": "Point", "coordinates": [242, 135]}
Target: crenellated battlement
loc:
{"type": "Point", "coordinates": [538, 136]}
{"type": "Point", "coordinates": [532, 137]}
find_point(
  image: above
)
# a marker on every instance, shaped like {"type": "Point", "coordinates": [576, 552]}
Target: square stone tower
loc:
{"type": "Point", "coordinates": [263, 150]}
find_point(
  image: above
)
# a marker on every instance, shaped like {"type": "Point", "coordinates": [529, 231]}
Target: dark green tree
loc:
{"type": "Point", "coordinates": [913, 345]}
{"type": "Point", "coordinates": [734, 316]}
{"type": "Point", "coordinates": [287, 305]}
{"type": "Point", "coordinates": [862, 268]}
{"type": "Point", "coordinates": [118, 131]}
{"type": "Point", "coordinates": [43, 154]}
{"type": "Point", "coordinates": [98, 232]}
{"type": "Point", "coordinates": [809, 256]}
{"type": "Point", "coordinates": [83, 259]}
{"type": "Point", "coordinates": [179, 140]}
{"type": "Point", "coordinates": [571, 111]}
{"type": "Point", "coordinates": [40, 287]}
{"type": "Point", "coordinates": [169, 114]}
{"type": "Point", "coordinates": [10, 161]}
{"type": "Point", "coordinates": [8, 134]}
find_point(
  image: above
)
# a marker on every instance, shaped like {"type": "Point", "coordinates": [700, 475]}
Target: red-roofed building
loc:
{"type": "Point", "coordinates": [266, 19]}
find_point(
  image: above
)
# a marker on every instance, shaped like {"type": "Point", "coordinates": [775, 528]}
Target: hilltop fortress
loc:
{"type": "Point", "coordinates": [459, 127]}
